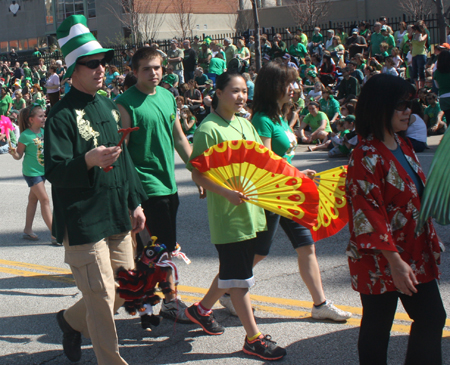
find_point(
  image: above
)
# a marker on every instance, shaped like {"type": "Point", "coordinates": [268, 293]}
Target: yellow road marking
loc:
{"type": "Point", "coordinates": [191, 289]}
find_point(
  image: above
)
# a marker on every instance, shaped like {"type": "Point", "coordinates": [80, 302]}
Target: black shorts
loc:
{"type": "Point", "coordinates": [236, 264]}
{"type": "Point", "coordinates": [161, 220]}
{"type": "Point", "coordinates": [297, 234]}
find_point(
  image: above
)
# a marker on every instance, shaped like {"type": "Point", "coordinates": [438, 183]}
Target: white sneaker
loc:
{"type": "Point", "coordinates": [174, 310]}
{"type": "Point", "coordinates": [329, 311]}
{"type": "Point", "coordinates": [225, 300]}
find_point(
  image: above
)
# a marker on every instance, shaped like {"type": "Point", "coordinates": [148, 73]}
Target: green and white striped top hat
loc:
{"type": "Point", "coordinates": [76, 41]}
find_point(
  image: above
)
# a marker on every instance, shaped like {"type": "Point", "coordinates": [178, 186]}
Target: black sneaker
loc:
{"type": "Point", "coordinates": [208, 323]}
{"type": "Point", "coordinates": [264, 348]}
{"type": "Point", "coordinates": [71, 339]}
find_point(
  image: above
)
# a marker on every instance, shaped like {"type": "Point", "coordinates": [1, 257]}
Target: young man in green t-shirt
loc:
{"type": "Point", "coordinates": [434, 117]}
{"type": "Point", "coordinates": [153, 109]}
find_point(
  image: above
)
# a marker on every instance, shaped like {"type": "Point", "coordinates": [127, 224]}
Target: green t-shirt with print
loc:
{"type": "Point", "coordinates": [315, 121]}
{"type": "Point", "coordinates": [330, 107]}
{"type": "Point", "coordinates": [4, 104]}
{"type": "Point", "coordinates": [217, 66]}
{"type": "Point", "coordinates": [282, 145]}
{"type": "Point", "coordinates": [298, 50]}
{"type": "Point", "coordinates": [228, 223]}
{"type": "Point", "coordinates": [432, 112]}
{"type": "Point", "coordinates": [33, 161]}
{"type": "Point", "coordinates": [152, 146]}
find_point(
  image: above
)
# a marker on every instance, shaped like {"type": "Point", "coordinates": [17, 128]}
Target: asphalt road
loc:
{"type": "Point", "coordinates": [35, 284]}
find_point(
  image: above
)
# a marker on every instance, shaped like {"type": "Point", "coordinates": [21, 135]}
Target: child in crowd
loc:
{"type": "Point", "coordinates": [31, 144]}
{"type": "Point", "coordinates": [384, 49]}
{"type": "Point", "coordinates": [417, 129]}
{"type": "Point", "coordinates": [342, 146]}
{"type": "Point", "coordinates": [316, 93]}
{"type": "Point", "coordinates": [188, 122]}
{"type": "Point", "coordinates": [234, 225]}
{"type": "Point", "coordinates": [434, 116]}
{"type": "Point", "coordinates": [396, 57]}
{"type": "Point", "coordinates": [389, 67]}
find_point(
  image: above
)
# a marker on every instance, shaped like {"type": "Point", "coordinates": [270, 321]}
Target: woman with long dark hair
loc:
{"type": "Point", "coordinates": [278, 137]}
{"type": "Point", "coordinates": [387, 259]}
{"type": "Point", "coordinates": [442, 78]}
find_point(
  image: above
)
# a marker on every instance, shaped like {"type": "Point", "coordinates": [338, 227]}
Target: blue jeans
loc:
{"type": "Point", "coordinates": [418, 67]}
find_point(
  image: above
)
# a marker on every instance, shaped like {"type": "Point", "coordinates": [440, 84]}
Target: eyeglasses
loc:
{"type": "Point", "coordinates": [93, 64]}
{"type": "Point", "coordinates": [402, 105]}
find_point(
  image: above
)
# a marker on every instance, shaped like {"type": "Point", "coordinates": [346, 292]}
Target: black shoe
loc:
{"type": "Point", "coordinates": [71, 339]}
{"type": "Point", "coordinates": [264, 348]}
{"type": "Point", "coordinates": [148, 321]}
{"type": "Point", "coordinates": [208, 323]}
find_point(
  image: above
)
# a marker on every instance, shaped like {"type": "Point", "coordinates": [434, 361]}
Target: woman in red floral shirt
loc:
{"type": "Point", "coordinates": [387, 260]}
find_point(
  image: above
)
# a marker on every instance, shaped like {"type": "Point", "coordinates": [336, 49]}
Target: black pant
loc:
{"type": "Point", "coordinates": [161, 220]}
{"type": "Point", "coordinates": [426, 310]}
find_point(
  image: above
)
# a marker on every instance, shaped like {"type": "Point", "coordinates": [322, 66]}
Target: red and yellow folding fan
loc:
{"type": "Point", "coordinates": [265, 178]}
{"type": "Point", "coordinates": [333, 214]}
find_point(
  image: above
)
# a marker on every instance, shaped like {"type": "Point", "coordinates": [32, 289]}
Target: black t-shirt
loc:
{"type": "Point", "coordinates": [189, 60]}
{"type": "Point", "coordinates": [18, 73]}
{"type": "Point", "coordinates": [358, 39]}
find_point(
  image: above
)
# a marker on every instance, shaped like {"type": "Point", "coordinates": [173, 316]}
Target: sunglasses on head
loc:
{"type": "Point", "coordinates": [402, 105]}
{"type": "Point", "coordinates": [93, 64]}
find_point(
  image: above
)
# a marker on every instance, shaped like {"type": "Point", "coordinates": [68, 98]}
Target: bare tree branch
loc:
{"type": "Point", "coordinates": [418, 9]}
{"type": "Point", "coordinates": [150, 23]}
{"type": "Point", "coordinates": [309, 12]}
{"type": "Point", "coordinates": [183, 20]}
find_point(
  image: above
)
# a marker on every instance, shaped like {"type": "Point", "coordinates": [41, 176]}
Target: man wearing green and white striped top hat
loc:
{"type": "Point", "coordinates": [91, 206]}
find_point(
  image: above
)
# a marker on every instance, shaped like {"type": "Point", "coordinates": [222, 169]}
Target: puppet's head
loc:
{"type": "Point", "coordinates": [153, 253]}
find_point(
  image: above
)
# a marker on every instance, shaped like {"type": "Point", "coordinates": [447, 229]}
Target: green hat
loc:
{"type": "Point", "coordinates": [76, 41]}
{"type": "Point", "coordinates": [349, 118]}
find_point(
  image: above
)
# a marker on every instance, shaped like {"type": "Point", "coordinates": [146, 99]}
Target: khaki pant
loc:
{"type": "Point", "coordinates": [94, 266]}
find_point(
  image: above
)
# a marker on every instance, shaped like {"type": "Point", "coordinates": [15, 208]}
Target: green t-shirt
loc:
{"type": "Point", "coordinates": [27, 72]}
{"type": "Point", "coordinates": [330, 107]}
{"type": "Point", "coordinates": [317, 38]}
{"type": "Point", "coordinates": [283, 140]}
{"type": "Point", "coordinates": [227, 222]}
{"type": "Point", "coordinates": [4, 104]}
{"type": "Point", "coordinates": [19, 104]}
{"type": "Point", "coordinates": [230, 51]}
{"type": "Point", "coordinates": [315, 122]}
{"type": "Point", "coordinates": [304, 39]}
{"type": "Point", "coordinates": [443, 81]}
{"type": "Point", "coordinates": [33, 161]}
{"type": "Point", "coordinates": [204, 55]}
{"type": "Point", "coordinates": [418, 47]}
{"type": "Point", "coordinates": [305, 68]}
{"type": "Point", "coordinates": [152, 147]}
{"type": "Point", "coordinates": [375, 41]}
{"type": "Point", "coordinates": [342, 147]}
{"type": "Point", "coordinates": [432, 112]}
{"type": "Point", "coordinates": [217, 66]}
{"type": "Point", "coordinates": [201, 80]}
{"type": "Point", "coordinates": [390, 40]}
{"type": "Point", "coordinates": [298, 50]}
{"type": "Point", "coordinates": [191, 130]}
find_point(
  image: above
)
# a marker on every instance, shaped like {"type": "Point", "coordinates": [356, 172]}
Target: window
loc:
{"type": "Point", "coordinates": [91, 8]}
{"type": "Point", "coordinates": [3, 47]}
{"type": "Point", "coordinates": [48, 11]}
{"type": "Point", "coordinates": [14, 44]}
{"type": "Point", "coordinates": [32, 42]}
{"type": "Point", "coordinates": [23, 44]}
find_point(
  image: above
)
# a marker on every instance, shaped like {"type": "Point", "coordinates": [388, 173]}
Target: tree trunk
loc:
{"type": "Point", "coordinates": [441, 20]}
{"type": "Point", "coordinates": [257, 36]}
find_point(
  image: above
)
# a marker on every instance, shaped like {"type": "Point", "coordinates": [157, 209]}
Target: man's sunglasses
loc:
{"type": "Point", "coordinates": [93, 64]}
{"type": "Point", "coordinates": [402, 105]}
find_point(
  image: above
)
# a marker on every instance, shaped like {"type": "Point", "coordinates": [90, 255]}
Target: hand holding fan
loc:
{"type": "Point", "coordinates": [265, 178]}
{"type": "Point", "coordinates": [333, 214]}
